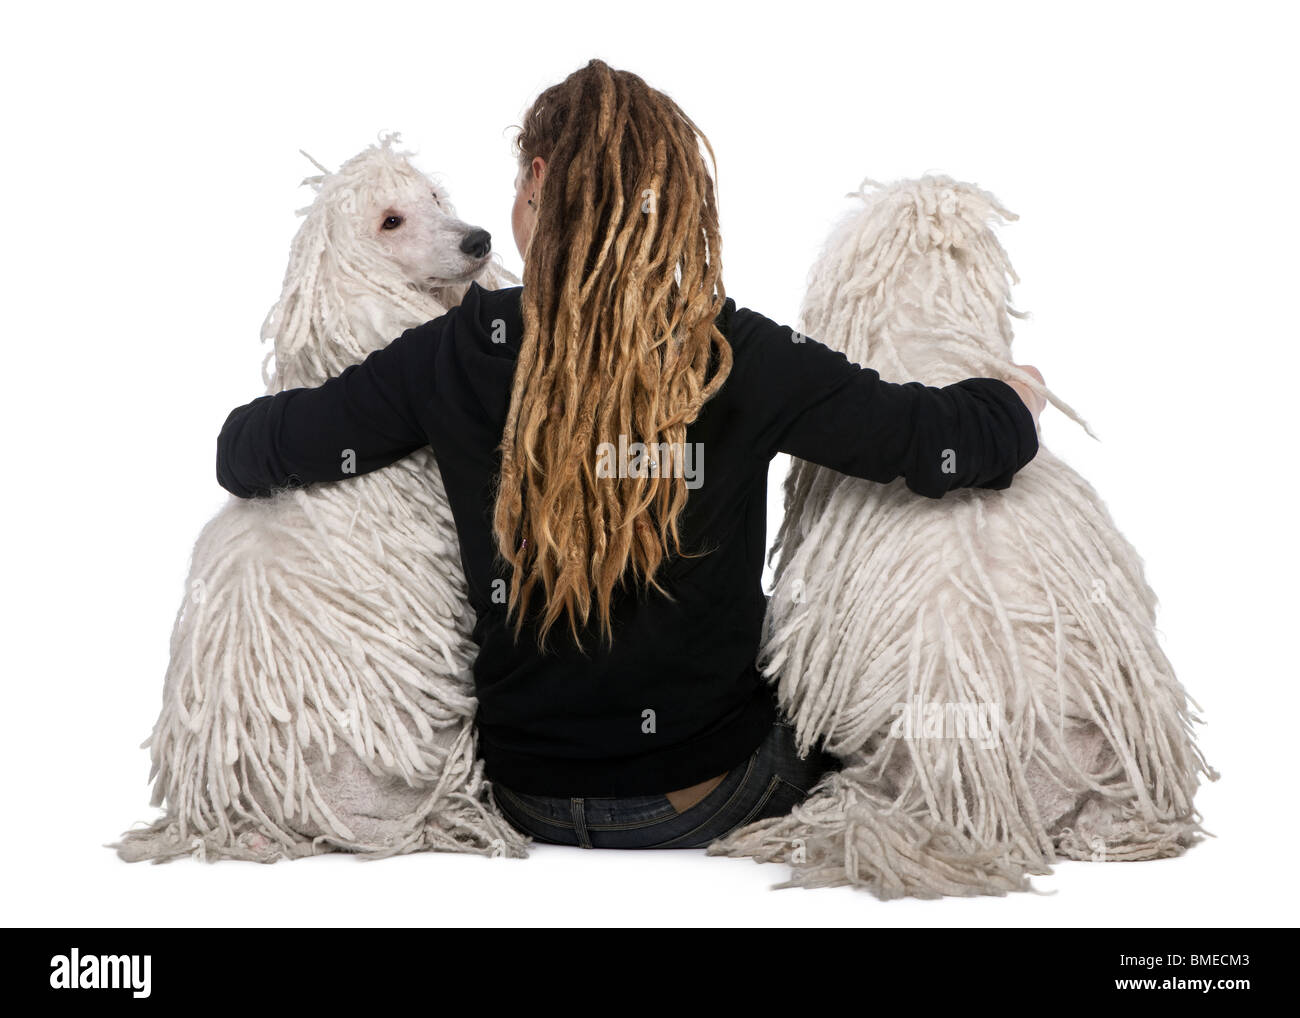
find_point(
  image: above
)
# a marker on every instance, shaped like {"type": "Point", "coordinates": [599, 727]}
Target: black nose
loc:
{"type": "Point", "coordinates": [477, 243]}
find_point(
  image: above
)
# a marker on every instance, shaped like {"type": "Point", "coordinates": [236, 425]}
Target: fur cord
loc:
{"type": "Point", "coordinates": [1023, 614]}
{"type": "Point", "coordinates": [321, 650]}
{"type": "Point", "coordinates": [847, 834]}
{"type": "Point", "coordinates": [456, 815]}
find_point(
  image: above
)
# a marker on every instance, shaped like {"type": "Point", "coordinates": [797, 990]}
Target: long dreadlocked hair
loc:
{"type": "Point", "coordinates": [622, 286]}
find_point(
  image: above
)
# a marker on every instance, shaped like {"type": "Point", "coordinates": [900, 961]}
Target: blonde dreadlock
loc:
{"type": "Point", "coordinates": [622, 286]}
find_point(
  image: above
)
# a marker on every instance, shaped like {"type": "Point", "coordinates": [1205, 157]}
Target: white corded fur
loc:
{"type": "Point", "coordinates": [319, 695]}
{"type": "Point", "coordinates": [1024, 607]}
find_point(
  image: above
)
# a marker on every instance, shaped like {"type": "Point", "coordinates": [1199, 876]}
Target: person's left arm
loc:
{"type": "Point", "coordinates": [362, 419]}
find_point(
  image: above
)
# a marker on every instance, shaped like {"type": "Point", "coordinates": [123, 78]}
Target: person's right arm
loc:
{"type": "Point", "coordinates": [816, 404]}
{"type": "Point", "coordinates": [362, 419]}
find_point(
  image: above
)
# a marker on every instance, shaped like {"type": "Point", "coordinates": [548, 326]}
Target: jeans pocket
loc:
{"type": "Point", "coordinates": [536, 819]}
{"type": "Point", "coordinates": [778, 800]}
{"type": "Point", "coordinates": [758, 811]}
{"type": "Point", "coordinates": [700, 824]}
{"type": "Point", "coordinates": [787, 796]}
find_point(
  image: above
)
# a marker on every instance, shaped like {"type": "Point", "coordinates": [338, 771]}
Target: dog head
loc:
{"type": "Point", "coordinates": [380, 250]}
{"type": "Point", "coordinates": [382, 213]}
{"type": "Point", "coordinates": [408, 219]}
{"type": "Point", "coordinates": [914, 283]}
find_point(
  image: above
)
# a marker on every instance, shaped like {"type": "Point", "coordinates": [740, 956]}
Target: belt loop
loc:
{"type": "Point", "coordinates": [579, 809]}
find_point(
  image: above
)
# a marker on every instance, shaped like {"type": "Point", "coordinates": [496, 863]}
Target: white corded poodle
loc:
{"type": "Point", "coordinates": [319, 695]}
{"type": "Point", "coordinates": [985, 664]}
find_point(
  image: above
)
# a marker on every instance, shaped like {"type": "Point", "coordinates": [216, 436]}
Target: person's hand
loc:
{"type": "Point", "coordinates": [1032, 400]}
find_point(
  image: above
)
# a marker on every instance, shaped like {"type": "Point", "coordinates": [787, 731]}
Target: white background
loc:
{"type": "Point", "coordinates": [151, 168]}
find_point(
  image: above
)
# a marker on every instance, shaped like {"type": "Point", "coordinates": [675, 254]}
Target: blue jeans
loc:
{"type": "Point", "coordinates": [769, 784]}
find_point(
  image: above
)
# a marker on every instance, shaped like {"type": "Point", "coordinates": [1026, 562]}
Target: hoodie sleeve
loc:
{"type": "Point", "coordinates": [364, 418]}
{"type": "Point", "coordinates": [814, 403]}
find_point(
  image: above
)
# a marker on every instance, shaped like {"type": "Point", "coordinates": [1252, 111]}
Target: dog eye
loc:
{"type": "Point", "coordinates": [392, 222]}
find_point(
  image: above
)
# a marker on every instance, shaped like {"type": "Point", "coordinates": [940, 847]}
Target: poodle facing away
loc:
{"type": "Point", "coordinates": [986, 664]}
{"type": "Point", "coordinates": [318, 695]}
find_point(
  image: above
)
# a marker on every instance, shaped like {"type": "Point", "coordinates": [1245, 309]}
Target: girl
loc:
{"type": "Point", "coordinates": [604, 433]}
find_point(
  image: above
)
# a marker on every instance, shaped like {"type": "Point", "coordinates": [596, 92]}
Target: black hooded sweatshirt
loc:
{"type": "Point", "coordinates": [677, 698]}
